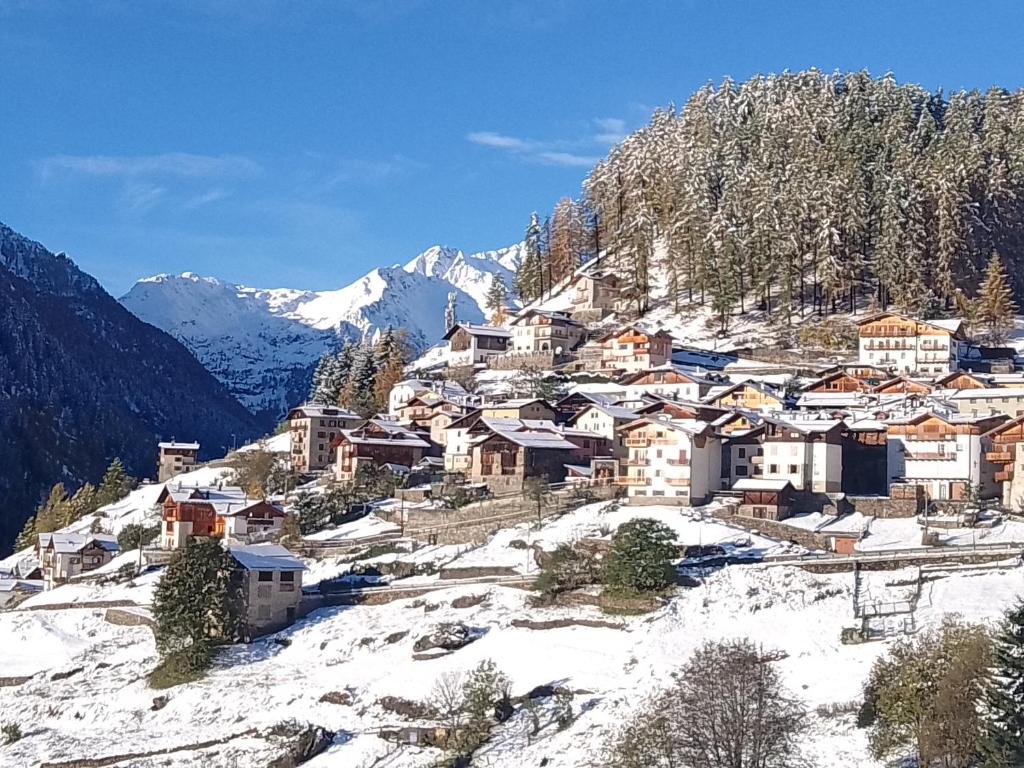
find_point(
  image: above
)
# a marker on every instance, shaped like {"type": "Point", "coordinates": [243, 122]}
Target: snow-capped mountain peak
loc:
{"type": "Point", "coordinates": [263, 342]}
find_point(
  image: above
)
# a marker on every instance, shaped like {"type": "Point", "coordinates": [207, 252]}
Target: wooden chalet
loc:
{"type": "Point", "coordinates": [633, 348]}
{"type": "Point", "coordinates": [903, 385]}
{"type": "Point", "coordinates": [1004, 448]}
{"type": "Point", "coordinates": [765, 499]}
{"type": "Point", "coordinates": [376, 443]}
{"type": "Point", "coordinates": [749, 395]}
{"type": "Point", "coordinates": [961, 380]}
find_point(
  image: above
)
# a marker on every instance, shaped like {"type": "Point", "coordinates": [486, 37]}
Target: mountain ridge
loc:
{"type": "Point", "coordinates": [83, 381]}
{"type": "Point", "coordinates": [263, 343]}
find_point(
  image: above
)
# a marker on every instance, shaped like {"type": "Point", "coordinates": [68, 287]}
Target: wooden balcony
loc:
{"type": "Point", "coordinates": [678, 462]}
{"type": "Point", "coordinates": [683, 481]}
{"type": "Point", "coordinates": [636, 442]}
{"type": "Point", "coordinates": [999, 457]}
{"type": "Point", "coordinates": [630, 480]}
{"type": "Point", "coordinates": [757, 460]}
{"type": "Point", "coordinates": [1004, 475]}
{"type": "Point", "coordinates": [930, 456]}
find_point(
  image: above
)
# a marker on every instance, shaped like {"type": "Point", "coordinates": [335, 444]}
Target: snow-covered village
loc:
{"type": "Point", "coordinates": [705, 449]}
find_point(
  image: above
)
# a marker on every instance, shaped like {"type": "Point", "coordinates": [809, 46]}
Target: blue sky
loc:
{"type": "Point", "coordinates": [300, 144]}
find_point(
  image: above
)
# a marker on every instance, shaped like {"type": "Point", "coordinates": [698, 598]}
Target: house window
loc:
{"type": "Point", "coordinates": [265, 576]}
{"type": "Point", "coordinates": [263, 591]}
{"type": "Point", "coordinates": [793, 469]}
{"type": "Point", "coordinates": [742, 453]}
{"type": "Point", "coordinates": [773, 468]}
{"type": "Point", "coordinates": [287, 575]}
{"type": "Point", "coordinates": [741, 471]}
{"type": "Point", "coordinates": [264, 612]}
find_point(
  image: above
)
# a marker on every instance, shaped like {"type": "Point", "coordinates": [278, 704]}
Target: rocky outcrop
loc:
{"type": "Point", "coordinates": [445, 638]}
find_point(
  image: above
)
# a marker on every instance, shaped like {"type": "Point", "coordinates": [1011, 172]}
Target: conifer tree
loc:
{"type": "Point", "coordinates": [449, 313]}
{"type": "Point", "coordinates": [496, 295]}
{"type": "Point", "coordinates": [1002, 741]}
{"type": "Point", "coordinates": [115, 485]}
{"type": "Point", "coordinates": [197, 603]}
{"type": "Point", "coordinates": [995, 302]}
{"type": "Point", "coordinates": [28, 536]}
{"type": "Point", "coordinates": [391, 354]}
{"type": "Point", "coordinates": [530, 275]}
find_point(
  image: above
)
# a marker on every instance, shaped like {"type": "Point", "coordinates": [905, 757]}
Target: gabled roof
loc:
{"type": "Point", "coordinates": [515, 403]}
{"type": "Point", "coordinates": [558, 317]}
{"type": "Point", "coordinates": [948, 377]}
{"type": "Point", "coordinates": [617, 412]}
{"type": "Point", "coordinates": [479, 330]}
{"type": "Point", "coordinates": [951, 419]}
{"type": "Point", "coordinates": [989, 393]}
{"type": "Point", "coordinates": [179, 446]}
{"type": "Point", "coordinates": [755, 484]}
{"type": "Point", "coordinates": [756, 385]}
{"type": "Point", "coordinates": [950, 325]}
{"type": "Point", "coordinates": [807, 426]}
{"type": "Point", "coordinates": [669, 368]}
{"type": "Point", "coordinates": [319, 410]}
{"type": "Point", "coordinates": [265, 557]}
{"type": "Point", "coordinates": [689, 426]}
{"type": "Point", "coordinates": [635, 328]}
{"type": "Point", "coordinates": [70, 543]}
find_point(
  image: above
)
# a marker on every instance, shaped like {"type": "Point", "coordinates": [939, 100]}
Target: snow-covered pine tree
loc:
{"type": "Point", "coordinates": [449, 313]}
{"type": "Point", "coordinates": [318, 386]}
{"type": "Point", "coordinates": [1002, 709]}
{"type": "Point", "coordinates": [358, 394]}
{"type": "Point", "coordinates": [529, 276]}
{"type": "Point", "coordinates": [995, 302]}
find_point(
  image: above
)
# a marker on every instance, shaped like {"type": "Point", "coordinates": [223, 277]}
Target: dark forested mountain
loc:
{"type": "Point", "coordinates": [806, 191]}
{"type": "Point", "coordinates": [82, 381]}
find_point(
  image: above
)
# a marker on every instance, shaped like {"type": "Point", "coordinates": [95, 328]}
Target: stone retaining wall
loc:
{"type": "Point", "coordinates": [124, 618]}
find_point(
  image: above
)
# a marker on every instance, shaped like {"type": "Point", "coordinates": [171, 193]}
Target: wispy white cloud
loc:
{"type": "Point", "coordinates": [206, 198]}
{"type": "Point", "coordinates": [571, 153]}
{"type": "Point", "coordinates": [567, 159]}
{"type": "Point", "coordinates": [500, 141]}
{"type": "Point", "coordinates": [173, 164]}
{"type": "Point", "coordinates": [610, 130]}
{"type": "Point", "coordinates": [139, 197]}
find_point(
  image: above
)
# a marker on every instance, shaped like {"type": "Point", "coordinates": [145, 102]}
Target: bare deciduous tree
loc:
{"type": "Point", "coordinates": [728, 709]}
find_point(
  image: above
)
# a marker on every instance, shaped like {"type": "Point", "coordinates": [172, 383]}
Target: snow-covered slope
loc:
{"type": "Point", "coordinates": [263, 343]}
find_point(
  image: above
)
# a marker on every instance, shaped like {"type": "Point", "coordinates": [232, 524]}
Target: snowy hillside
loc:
{"type": "Point", "coordinates": [339, 667]}
{"type": "Point", "coordinates": [263, 343]}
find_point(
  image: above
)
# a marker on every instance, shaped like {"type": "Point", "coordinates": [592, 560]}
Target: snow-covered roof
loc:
{"type": "Point", "coordinates": [179, 446]}
{"type": "Point", "coordinates": [755, 484]}
{"type": "Point", "coordinates": [986, 394]}
{"type": "Point", "coordinates": [68, 543]}
{"type": "Point", "coordinates": [479, 330]}
{"type": "Point", "coordinates": [320, 411]}
{"type": "Point", "coordinates": [265, 557]}
{"type": "Point", "coordinates": [535, 439]}
{"type": "Point", "coordinates": [615, 411]}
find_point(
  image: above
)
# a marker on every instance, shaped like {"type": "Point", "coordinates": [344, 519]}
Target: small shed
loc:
{"type": "Point", "coordinates": [765, 499]}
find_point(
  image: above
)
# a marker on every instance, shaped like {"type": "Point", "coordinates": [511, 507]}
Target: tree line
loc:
{"type": "Point", "coordinates": [359, 376]}
{"type": "Point", "coordinates": [807, 192]}
{"type": "Point", "coordinates": [61, 509]}
{"type": "Point", "coordinates": [554, 249]}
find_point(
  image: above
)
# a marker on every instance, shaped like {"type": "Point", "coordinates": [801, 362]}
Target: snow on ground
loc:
{"type": "Point", "coordinates": [138, 590]}
{"type": "Point", "coordinates": [600, 520]}
{"type": "Point", "coordinates": [281, 443]}
{"type": "Point", "coordinates": [107, 711]}
{"type": "Point", "coordinates": [370, 525]}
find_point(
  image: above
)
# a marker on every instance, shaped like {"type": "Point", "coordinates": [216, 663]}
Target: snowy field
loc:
{"type": "Point", "coordinates": [104, 708]}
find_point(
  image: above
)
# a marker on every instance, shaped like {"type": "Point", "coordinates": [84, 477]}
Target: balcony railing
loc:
{"type": "Point", "coordinates": [684, 481]}
{"type": "Point", "coordinates": [636, 442]}
{"type": "Point", "coordinates": [629, 480]}
{"type": "Point", "coordinates": [1004, 475]}
{"type": "Point", "coordinates": [999, 457]}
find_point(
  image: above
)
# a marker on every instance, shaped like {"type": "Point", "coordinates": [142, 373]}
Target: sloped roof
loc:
{"type": "Point", "coordinates": [265, 557]}
{"type": "Point", "coordinates": [180, 446]}
{"type": "Point", "coordinates": [479, 330]}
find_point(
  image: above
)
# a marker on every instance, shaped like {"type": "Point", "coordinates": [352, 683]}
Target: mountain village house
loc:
{"type": "Point", "coordinates": [420, 410]}
{"type": "Point", "coordinates": [594, 295]}
{"type": "Point", "coordinates": [176, 459]}
{"type": "Point", "coordinates": [470, 345]}
{"type": "Point", "coordinates": [606, 421]}
{"type": "Point", "coordinates": [748, 396]}
{"type": "Point", "coordinates": [505, 456]}
{"type": "Point", "coordinates": [631, 349]}
{"type": "Point", "coordinates": [668, 381]}
{"type": "Point", "coordinates": [908, 345]}
{"type": "Point", "coordinates": [375, 444]}
{"type": "Point", "coordinates": [1008, 401]}
{"type": "Point", "coordinates": [807, 454]}
{"type": "Point", "coordinates": [671, 461]}
{"type": "Point", "coordinates": [314, 429]}
{"type": "Point", "coordinates": [218, 512]}
{"type": "Point", "coordinates": [548, 335]}
{"type": "Point", "coordinates": [271, 579]}
{"type": "Point", "coordinates": [63, 556]}
{"type": "Point", "coordinates": [943, 454]}
{"type": "Point", "coordinates": [406, 390]}
{"type": "Point", "coordinates": [524, 408]}
{"type": "Point", "coordinates": [1004, 447]}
